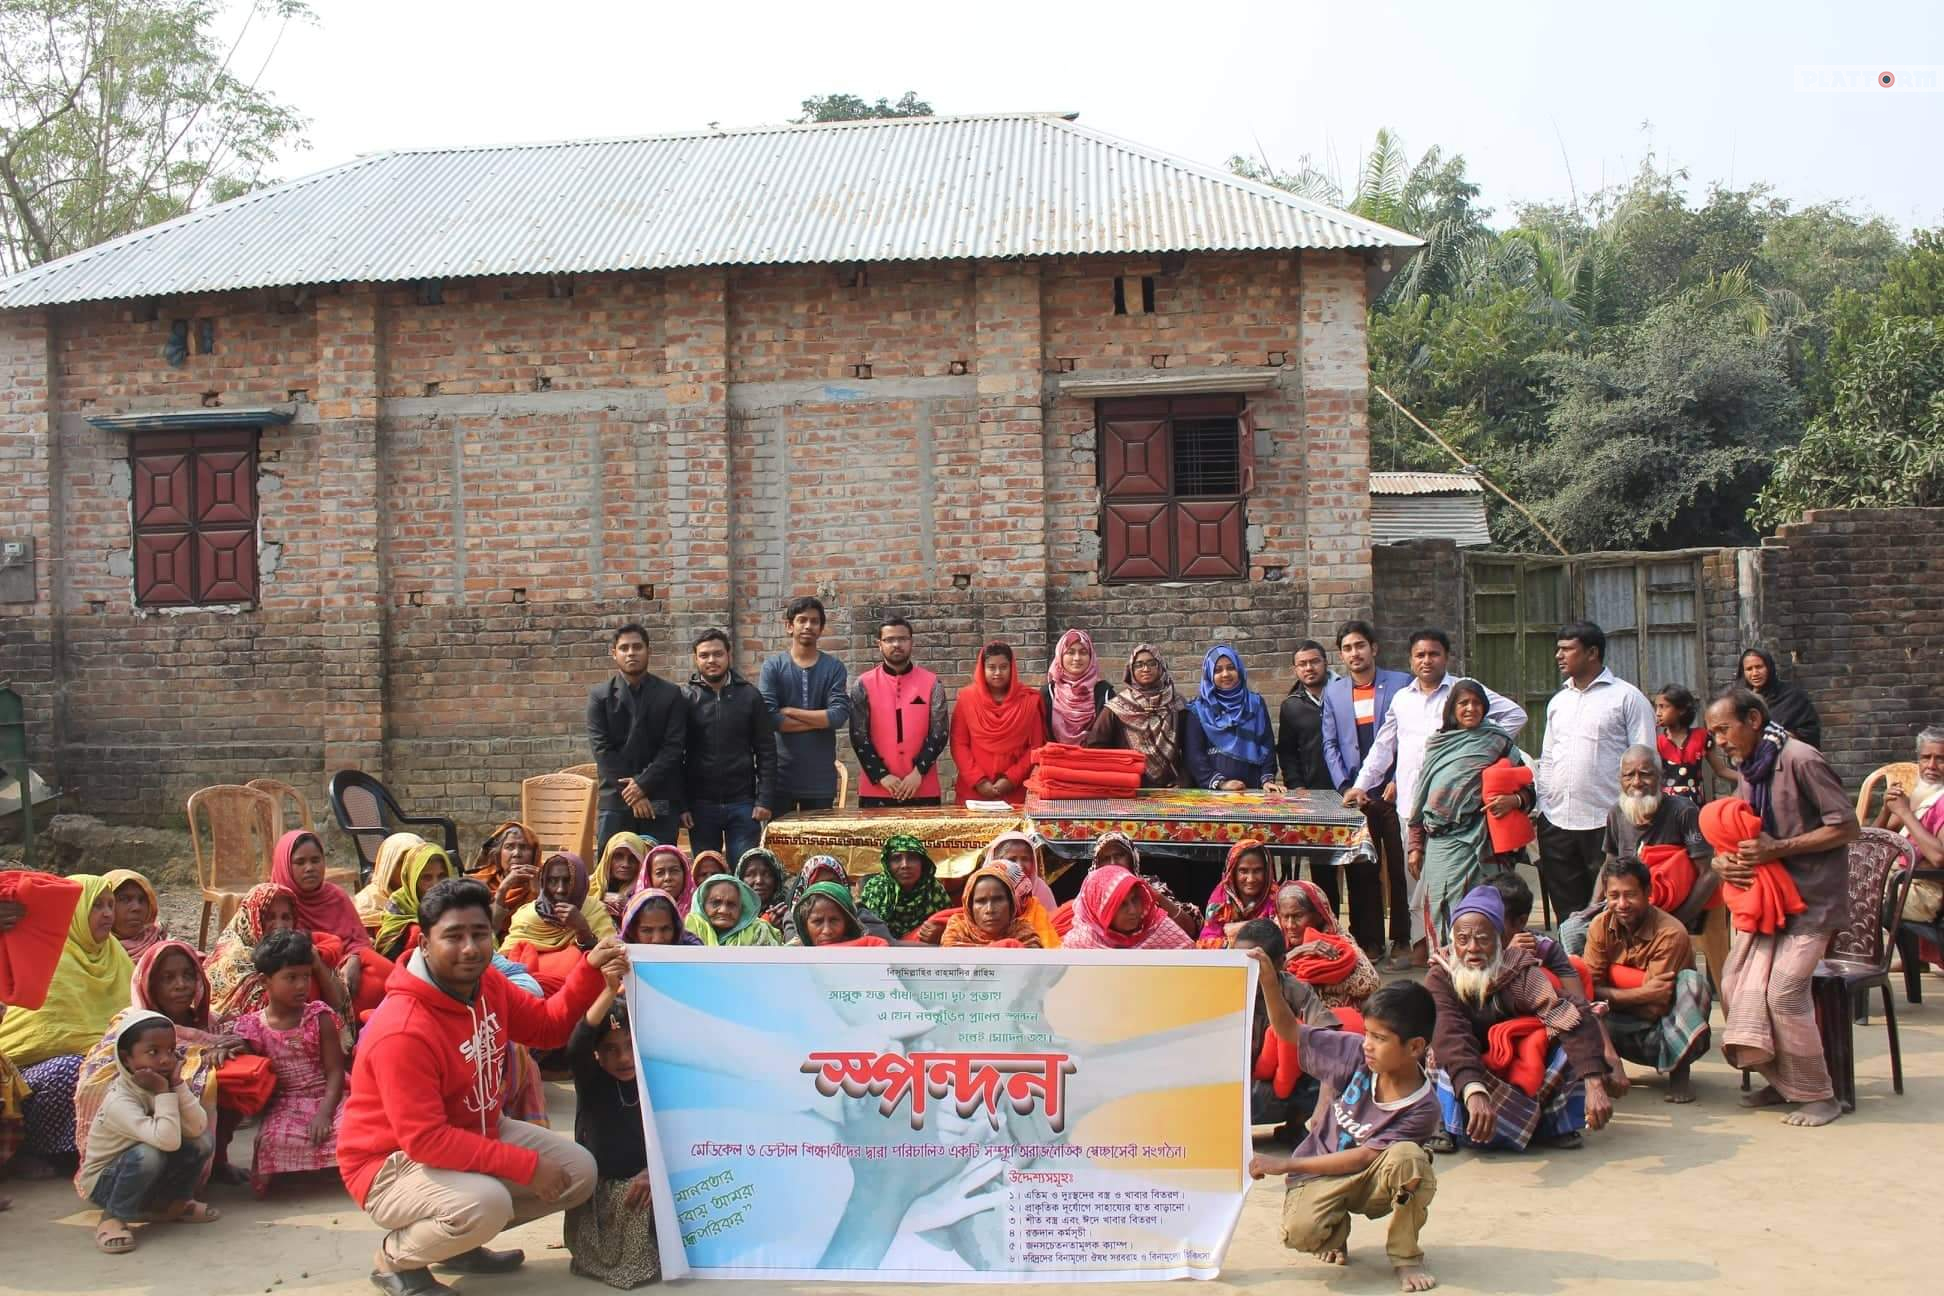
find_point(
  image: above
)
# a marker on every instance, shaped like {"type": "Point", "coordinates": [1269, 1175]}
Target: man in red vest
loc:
{"type": "Point", "coordinates": [898, 724]}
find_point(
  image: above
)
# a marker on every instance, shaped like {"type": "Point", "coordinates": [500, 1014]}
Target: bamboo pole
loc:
{"type": "Point", "coordinates": [1447, 447]}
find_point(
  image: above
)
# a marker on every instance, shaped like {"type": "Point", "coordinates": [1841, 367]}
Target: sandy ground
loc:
{"type": "Point", "coordinates": [1667, 1199]}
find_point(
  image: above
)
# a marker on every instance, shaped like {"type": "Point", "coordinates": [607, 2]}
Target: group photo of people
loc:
{"type": "Point", "coordinates": [1688, 856]}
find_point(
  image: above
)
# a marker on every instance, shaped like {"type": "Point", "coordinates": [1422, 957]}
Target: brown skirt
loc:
{"type": "Point", "coordinates": [609, 1241]}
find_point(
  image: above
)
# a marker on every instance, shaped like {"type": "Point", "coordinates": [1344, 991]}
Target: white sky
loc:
{"type": "Point", "coordinates": [1519, 88]}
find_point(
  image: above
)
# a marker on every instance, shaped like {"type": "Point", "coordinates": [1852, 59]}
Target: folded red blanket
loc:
{"type": "Point", "coordinates": [1672, 869]}
{"type": "Point", "coordinates": [31, 949]}
{"type": "Point", "coordinates": [1515, 1052]}
{"type": "Point", "coordinates": [1324, 969]}
{"type": "Point", "coordinates": [1063, 918]}
{"type": "Point", "coordinates": [1126, 781]}
{"type": "Point", "coordinates": [1060, 790]}
{"type": "Point", "coordinates": [1349, 1019]}
{"type": "Point", "coordinates": [1772, 900]}
{"type": "Point", "coordinates": [1099, 758]}
{"type": "Point", "coordinates": [1622, 977]}
{"type": "Point", "coordinates": [1279, 1063]}
{"type": "Point", "coordinates": [1509, 832]}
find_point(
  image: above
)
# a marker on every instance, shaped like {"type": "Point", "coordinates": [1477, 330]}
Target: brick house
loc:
{"type": "Point", "coordinates": [358, 469]}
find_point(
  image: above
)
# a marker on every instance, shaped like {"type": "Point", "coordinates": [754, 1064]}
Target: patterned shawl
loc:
{"type": "Point", "coordinates": [1451, 788]}
{"type": "Point", "coordinates": [646, 881]}
{"type": "Point", "coordinates": [538, 922]}
{"type": "Point", "coordinates": [1152, 719]}
{"type": "Point", "coordinates": [1225, 902]}
{"type": "Point", "coordinates": [328, 908]}
{"type": "Point", "coordinates": [904, 910]}
{"type": "Point", "coordinates": [235, 986]}
{"type": "Point", "coordinates": [750, 929]}
{"type": "Point", "coordinates": [961, 930]}
{"type": "Point", "coordinates": [602, 885]}
{"type": "Point", "coordinates": [1101, 897]}
{"type": "Point", "coordinates": [1522, 989]}
{"type": "Point", "coordinates": [1758, 770]}
{"type": "Point", "coordinates": [1235, 719]}
{"type": "Point", "coordinates": [90, 986]}
{"type": "Point", "coordinates": [153, 934]}
{"type": "Point", "coordinates": [1073, 695]}
{"type": "Point", "coordinates": [487, 866]}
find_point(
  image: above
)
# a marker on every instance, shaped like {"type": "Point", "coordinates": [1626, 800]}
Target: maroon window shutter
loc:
{"type": "Point", "coordinates": [163, 572]}
{"type": "Point", "coordinates": [1139, 542]}
{"type": "Point", "coordinates": [1137, 460]}
{"type": "Point", "coordinates": [195, 514]}
{"type": "Point", "coordinates": [1208, 539]}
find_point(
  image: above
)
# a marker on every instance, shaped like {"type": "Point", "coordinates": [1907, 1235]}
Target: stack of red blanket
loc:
{"type": "Point", "coordinates": [1068, 773]}
{"type": "Point", "coordinates": [1515, 1052]}
{"type": "Point", "coordinates": [1326, 969]}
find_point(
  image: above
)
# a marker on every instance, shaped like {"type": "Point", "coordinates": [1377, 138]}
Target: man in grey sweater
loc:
{"type": "Point", "coordinates": [805, 692]}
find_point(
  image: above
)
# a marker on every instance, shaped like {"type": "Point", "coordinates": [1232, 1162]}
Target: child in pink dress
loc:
{"type": "Point", "coordinates": [300, 1037]}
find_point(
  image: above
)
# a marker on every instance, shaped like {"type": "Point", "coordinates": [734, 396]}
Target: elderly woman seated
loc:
{"type": "Point", "coordinates": [1513, 1059]}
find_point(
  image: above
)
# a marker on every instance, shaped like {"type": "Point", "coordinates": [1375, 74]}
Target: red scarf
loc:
{"type": "Point", "coordinates": [327, 909]}
{"type": "Point", "coordinates": [1007, 726]}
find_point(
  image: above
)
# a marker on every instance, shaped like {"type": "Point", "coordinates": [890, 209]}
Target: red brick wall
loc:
{"type": "Point", "coordinates": [475, 490]}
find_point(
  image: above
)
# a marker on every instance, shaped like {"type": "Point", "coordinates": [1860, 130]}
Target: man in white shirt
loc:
{"type": "Point", "coordinates": [1416, 713]}
{"type": "Point", "coordinates": [1590, 723]}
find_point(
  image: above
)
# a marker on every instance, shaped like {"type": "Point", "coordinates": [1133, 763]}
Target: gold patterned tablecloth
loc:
{"type": "Point", "coordinates": [954, 836]}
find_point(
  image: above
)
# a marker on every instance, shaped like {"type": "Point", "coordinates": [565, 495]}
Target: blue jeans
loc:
{"type": "Point", "coordinates": [720, 821]}
{"type": "Point", "coordinates": [145, 1178]}
{"type": "Point", "coordinates": [660, 830]}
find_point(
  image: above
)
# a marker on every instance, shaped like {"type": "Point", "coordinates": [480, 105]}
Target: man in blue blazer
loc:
{"type": "Point", "coordinates": [1354, 704]}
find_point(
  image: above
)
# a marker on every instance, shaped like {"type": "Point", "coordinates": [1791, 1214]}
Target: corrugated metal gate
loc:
{"type": "Point", "coordinates": [1649, 604]}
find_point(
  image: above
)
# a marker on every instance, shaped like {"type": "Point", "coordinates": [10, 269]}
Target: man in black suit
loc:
{"type": "Point", "coordinates": [637, 724]}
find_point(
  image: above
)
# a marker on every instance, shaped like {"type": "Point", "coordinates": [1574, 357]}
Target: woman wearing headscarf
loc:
{"type": "Point", "coordinates": [136, 910]}
{"type": "Point", "coordinates": [1074, 694]}
{"type": "Point", "coordinates": [1789, 706]}
{"type": "Point", "coordinates": [996, 728]}
{"type": "Point", "coordinates": [826, 915]}
{"type": "Point", "coordinates": [667, 868]}
{"type": "Point", "coordinates": [1449, 838]}
{"type": "Point", "coordinates": [707, 864]}
{"type": "Point", "coordinates": [550, 936]}
{"type": "Point", "coordinates": [374, 895]}
{"type": "Point", "coordinates": [1117, 850]}
{"type": "Point", "coordinates": [827, 868]}
{"type": "Point", "coordinates": [1019, 850]}
{"type": "Point", "coordinates": [425, 866]}
{"type": "Point", "coordinates": [508, 864]}
{"type": "Point", "coordinates": [332, 919]}
{"type": "Point", "coordinates": [1320, 955]}
{"type": "Point", "coordinates": [48, 1043]}
{"type": "Point", "coordinates": [235, 985]}
{"type": "Point", "coordinates": [1231, 745]}
{"type": "Point", "coordinates": [905, 891]}
{"type": "Point", "coordinates": [1119, 910]}
{"type": "Point", "coordinates": [1147, 716]}
{"type": "Point", "coordinates": [168, 979]}
{"type": "Point", "coordinates": [990, 914]}
{"type": "Point", "coordinates": [1244, 894]}
{"type": "Point", "coordinates": [759, 868]}
{"type": "Point", "coordinates": [622, 869]}
{"type": "Point", "coordinates": [726, 913]}
{"type": "Point", "coordinates": [651, 918]}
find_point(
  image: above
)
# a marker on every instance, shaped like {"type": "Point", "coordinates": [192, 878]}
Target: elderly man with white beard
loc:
{"type": "Point", "coordinates": [1919, 815]}
{"type": "Point", "coordinates": [1512, 1059]}
{"type": "Point", "coordinates": [1664, 833]}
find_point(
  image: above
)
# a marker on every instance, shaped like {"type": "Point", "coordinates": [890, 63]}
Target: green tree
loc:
{"type": "Point", "coordinates": [117, 114]}
{"type": "Point", "coordinates": [850, 107]}
{"type": "Point", "coordinates": [1881, 444]}
{"type": "Point", "coordinates": [1659, 440]}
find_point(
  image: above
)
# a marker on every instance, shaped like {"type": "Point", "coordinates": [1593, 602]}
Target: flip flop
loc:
{"type": "Point", "coordinates": [113, 1239]}
{"type": "Point", "coordinates": [195, 1212]}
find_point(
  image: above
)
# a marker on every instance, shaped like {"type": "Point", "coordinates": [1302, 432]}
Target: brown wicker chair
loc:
{"type": "Point", "coordinates": [1858, 960]}
{"type": "Point", "coordinates": [241, 826]}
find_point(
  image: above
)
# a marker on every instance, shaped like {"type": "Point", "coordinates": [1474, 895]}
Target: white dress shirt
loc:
{"type": "Point", "coordinates": [1414, 715]}
{"type": "Point", "coordinates": [1588, 730]}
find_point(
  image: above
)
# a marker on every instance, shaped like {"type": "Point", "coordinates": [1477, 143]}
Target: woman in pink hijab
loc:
{"type": "Point", "coordinates": [1074, 692]}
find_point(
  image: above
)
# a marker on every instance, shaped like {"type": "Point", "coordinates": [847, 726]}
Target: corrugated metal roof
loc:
{"type": "Point", "coordinates": [1459, 518]}
{"type": "Point", "coordinates": [914, 189]}
{"type": "Point", "coordinates": [1423, 483]}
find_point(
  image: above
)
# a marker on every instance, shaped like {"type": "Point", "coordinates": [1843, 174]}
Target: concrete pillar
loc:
{"type": "Point", "coordinates": [696, 333]}
{"type": "Point", "coordinates": [1011, 517]}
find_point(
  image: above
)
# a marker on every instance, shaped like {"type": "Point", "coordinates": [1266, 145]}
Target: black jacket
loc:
{"type": "Point", "coordinates": [639, 735]}
{"type": "Point", "coordinates": [731, 744]}
{"type": "Point", "coordinates": [1299, 743]}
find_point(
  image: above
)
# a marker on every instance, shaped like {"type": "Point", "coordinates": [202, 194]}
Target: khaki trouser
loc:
{"type": "Point", "coordinates": [1316, 1213]}
{"type": "Point", "coordinates": [434, 1215]}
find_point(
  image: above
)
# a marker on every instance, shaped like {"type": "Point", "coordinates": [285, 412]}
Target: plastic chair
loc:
{"type": "Point", "coordinates": [843, 784]}
{"type": "Point", "coordinates": [287, 795]}
{"type": "Point", "coordinates": [241, 824]}
{"type": "Point", "coordinates": [1858, 959]}
{"type": "Point", "coordinates": [560, 808]}
{"type": "Point", "coordinates": [1902, 774]}
{"type": "Point", "coordinates": [368, 814]}
{"type": "Point", "coordinates": [1910, 932]}
{"type": "Point", "coordinates": [589, 770]}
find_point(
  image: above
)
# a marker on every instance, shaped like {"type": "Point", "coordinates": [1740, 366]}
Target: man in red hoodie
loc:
{"type": "Point", "coordinates": [423, 1147]}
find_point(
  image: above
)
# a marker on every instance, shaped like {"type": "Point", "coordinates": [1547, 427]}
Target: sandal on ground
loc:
{"type": "Point", "coordinates": [113, 1238]}
{"type": "Point", "coordinates": [1441, 1142]}
{"type": "Point", "coordinates": [195, 1212]}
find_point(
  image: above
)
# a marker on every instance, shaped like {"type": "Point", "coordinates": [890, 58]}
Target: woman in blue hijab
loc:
{"type": "Point", "coordinates": [1230, 743]}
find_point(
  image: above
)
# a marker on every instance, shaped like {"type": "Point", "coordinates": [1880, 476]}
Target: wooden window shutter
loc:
{"type": "Point", "coordinates": [195, 516]}
{"type": "Point", "coordinates": [1174, 476]}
